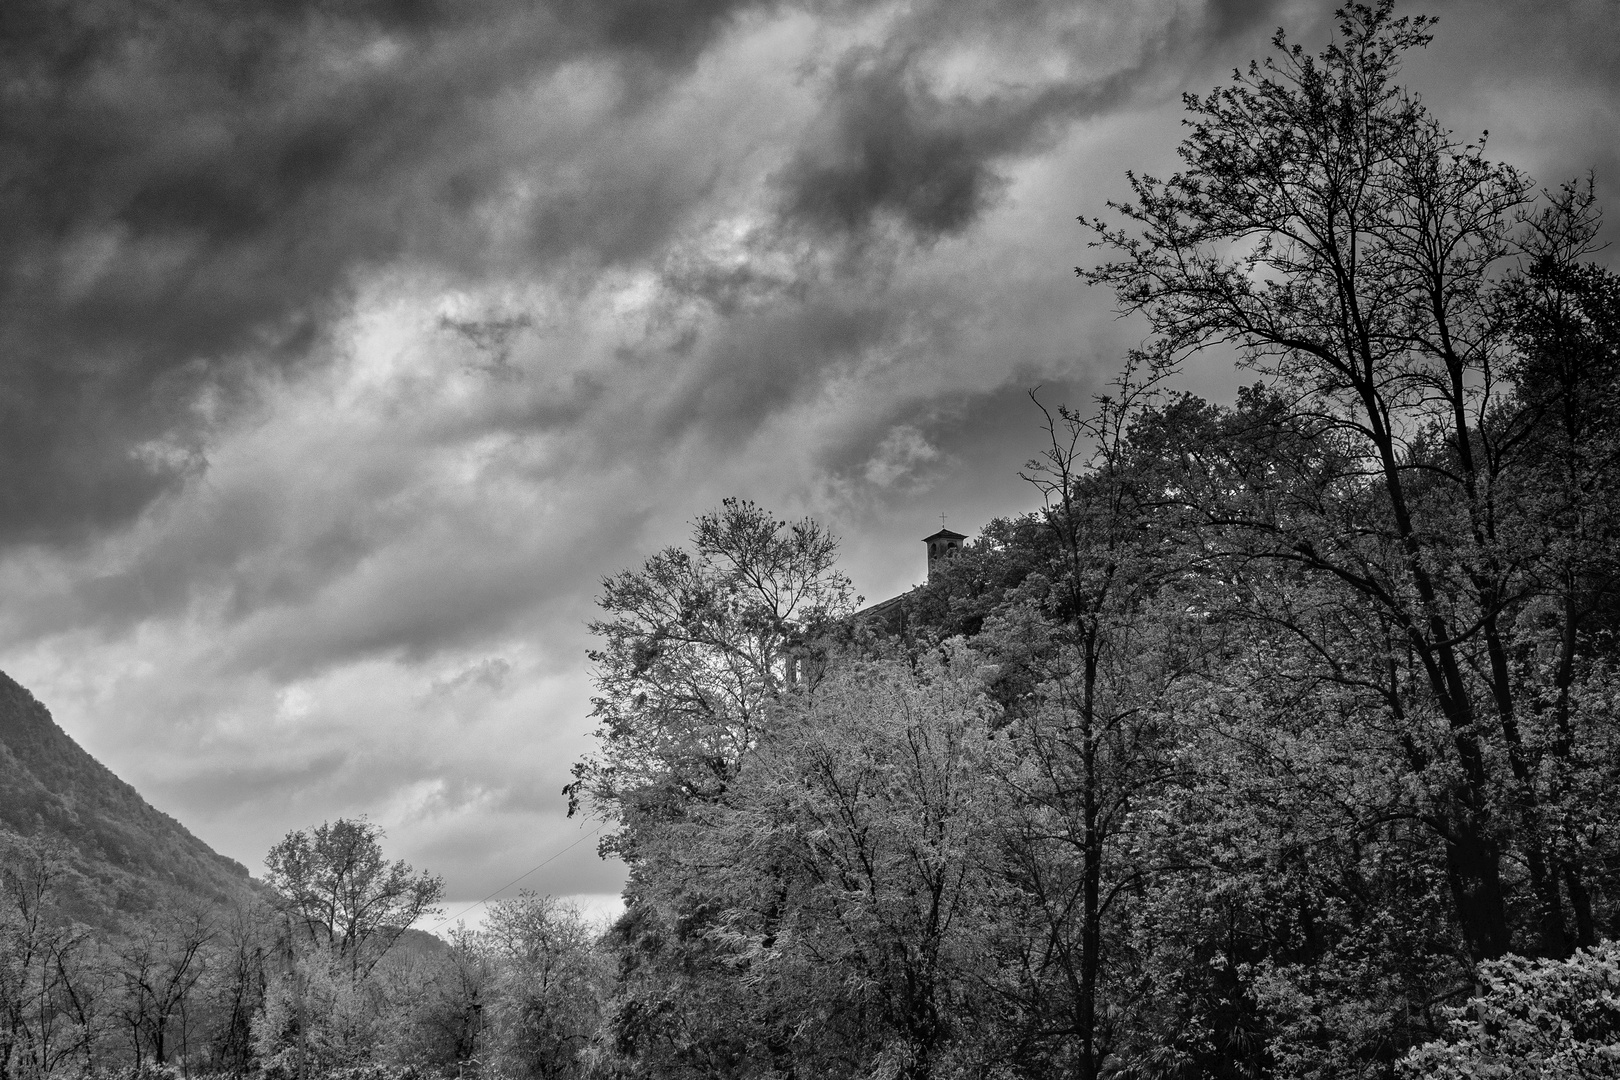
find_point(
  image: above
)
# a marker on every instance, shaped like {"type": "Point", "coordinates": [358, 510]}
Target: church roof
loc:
{"type": "Point", "coordinates": [944, 534]}
{"type": "Point", "coordinates": [882, 608]}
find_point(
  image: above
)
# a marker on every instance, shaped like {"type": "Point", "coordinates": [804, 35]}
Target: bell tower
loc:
{"type": "Point", "coordinates": [941, 546]}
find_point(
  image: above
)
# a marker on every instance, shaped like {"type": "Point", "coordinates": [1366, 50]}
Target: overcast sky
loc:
{"type": "Point", "coordinates": [347, 345]}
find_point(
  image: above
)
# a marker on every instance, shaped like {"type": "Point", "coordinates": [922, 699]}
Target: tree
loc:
{"type": "Point", "coordinates": [1291, 918]}
{"type": "Point", "coordinates": [439, 1005]}
{"type": "Point", "coordinates": [159, 964]}
{"type": "Point", "coordinates": [236, 982]}
{"type": "Point", "coordinates": [47, 999]}
{"type": "Point", "coordinates": [1356, 254]}
{"type": "Point", "coordinates": [1547, 1020]}
{"type": "Point", "coordinates": [342, 896]}
{"type": "Point", "coordinates": [318, 1017]}
{"type": "Point", "coordinates": [857, 865]}
{"type": "Point", "coordinates": [1093, 739]}
{"type": "Point", "coordinates": [696, 645]}
{"type": "Point", "coordinates": [549, 988]}
{"type": "Point", "coordinates": [1565, 321]}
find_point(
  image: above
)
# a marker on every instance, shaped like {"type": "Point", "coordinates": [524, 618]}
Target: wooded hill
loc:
{"type": "Point", "coordinates": [128, 858]}
{"type": "Point", "coordinates": [126, 943]}
{"type": "Point", "coordinates": [1281, 740]}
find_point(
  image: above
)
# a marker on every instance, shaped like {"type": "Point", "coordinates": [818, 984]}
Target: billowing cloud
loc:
{"type": "Point", "coordinates": [348, 346]}
{"type": "Point", "coordinates": [193, 189]}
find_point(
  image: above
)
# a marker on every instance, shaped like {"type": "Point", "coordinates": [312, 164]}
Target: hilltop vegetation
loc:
{"type": "Point", "coordinates": [1281, 741]}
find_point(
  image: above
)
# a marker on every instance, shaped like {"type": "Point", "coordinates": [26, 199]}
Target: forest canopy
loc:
{"type": "Point", "coordinates": [1280, 740]}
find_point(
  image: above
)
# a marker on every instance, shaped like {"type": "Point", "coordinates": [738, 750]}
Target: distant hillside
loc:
{"type": "Point", "coordinates": [131, 856]}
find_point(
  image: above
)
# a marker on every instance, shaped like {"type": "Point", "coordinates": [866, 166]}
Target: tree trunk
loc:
{"type": "Point", "coordinates": [1091, 930]}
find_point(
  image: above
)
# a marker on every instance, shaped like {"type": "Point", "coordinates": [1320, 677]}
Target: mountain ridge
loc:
{"type": "Point", "coordinates": [127, 855]}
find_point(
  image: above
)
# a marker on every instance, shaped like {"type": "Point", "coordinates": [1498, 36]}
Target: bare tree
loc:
{"type": "Point", "coordinates": [1329, 228]}
{"type": "Point", "coordinates": [159, 966]}
{"type": "Point", "coordinates": [47, 1006]}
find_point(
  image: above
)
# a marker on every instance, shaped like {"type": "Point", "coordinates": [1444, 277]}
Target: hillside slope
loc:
{"type": "Point", "coordinates": [130, 856]}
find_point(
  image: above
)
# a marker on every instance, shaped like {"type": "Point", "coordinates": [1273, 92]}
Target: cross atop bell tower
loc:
{"type": "Point", "coordinates": [941, 546]}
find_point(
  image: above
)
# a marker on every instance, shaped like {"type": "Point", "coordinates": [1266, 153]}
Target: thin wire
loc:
{"type": "Point", "coordinates": [520, 877]}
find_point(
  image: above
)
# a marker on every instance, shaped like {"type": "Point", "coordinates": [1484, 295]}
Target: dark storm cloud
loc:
{"type": "Point", "coordinates": [1568, 41]}
{"type": "Point", "coordinates": [1542, 78]}
{"type": "Point", "coordinates": [758, 364]}
{"type": "Point", "coordinates": [189, 187]}
{"type": "Point", "coordinates": [427, 315]}
{"type": "Point", "coordinates": [889, 145]}
{"type": "Point", "coordinates": [1227, 19]}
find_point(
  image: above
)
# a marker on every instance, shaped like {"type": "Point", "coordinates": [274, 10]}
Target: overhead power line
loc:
{"type": "Point", "coordinates": [520, 877]}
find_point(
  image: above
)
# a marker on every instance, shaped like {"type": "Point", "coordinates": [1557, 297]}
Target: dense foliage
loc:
{"type": "Point", "coordinates": [1280, 741]}
{"type": "Point", "coordinates": [323, 978]}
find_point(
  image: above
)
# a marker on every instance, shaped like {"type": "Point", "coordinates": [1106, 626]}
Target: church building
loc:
{"type": "Point", "coordinates": [942, 545]}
